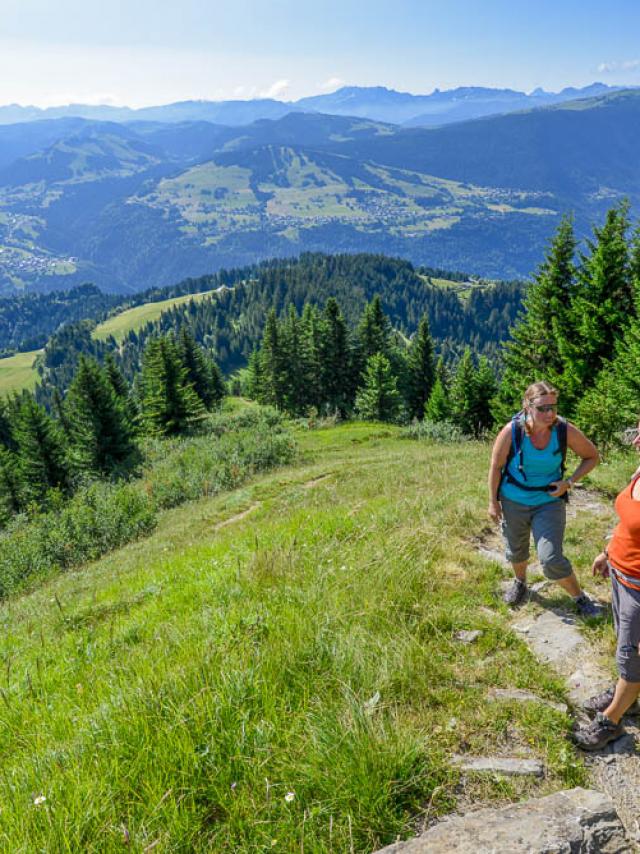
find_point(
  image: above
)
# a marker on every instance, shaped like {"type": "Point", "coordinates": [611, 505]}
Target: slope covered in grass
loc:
{"type": "Point", "coordinates": [274, 669]}
{"type": "Point", "coordinates": [17, 372]}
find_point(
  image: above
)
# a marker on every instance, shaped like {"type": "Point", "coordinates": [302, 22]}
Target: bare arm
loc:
{"type": "Point", "coordinates": [499, 455]}
{"type": "Point", "coordinates": [586, 450]}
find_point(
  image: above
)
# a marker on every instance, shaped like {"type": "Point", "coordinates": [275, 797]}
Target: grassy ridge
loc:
{"type": "Point", "coordinates": [135, 318]}
{"type": "Point", "coordinates": [16, 372]}
{"type": "Point", "coordinates": [289, 680]}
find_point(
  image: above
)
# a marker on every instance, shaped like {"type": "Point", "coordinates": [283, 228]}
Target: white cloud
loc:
{"type": "Point", "coordinates": [626, 65]}
{"type": "Point", "coordinates": [277, 89]}
{"type": "Point", "coordinates": [331, 84]}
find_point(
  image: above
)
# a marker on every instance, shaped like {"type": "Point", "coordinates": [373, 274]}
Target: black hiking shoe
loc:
{"type": "Point", "coordinates": [598, 733]}
{"type": "Point", "coordinates": [603, 700]}
{"type": "Point", "coordinates": [586, 607]}
{"type": "Point", "coordinates": [516, 593]}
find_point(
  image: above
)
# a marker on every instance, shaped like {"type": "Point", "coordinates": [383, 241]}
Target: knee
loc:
{"type": "Point", "coordinates": [628, 661]}
{"type": "Point", "coordinates": [556, 568]}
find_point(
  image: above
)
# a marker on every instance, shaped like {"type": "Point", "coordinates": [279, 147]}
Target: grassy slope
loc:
{"type": "Point", "coordinates": [16, 372]}
{"type": "Point", "coordinates": [135, 318]}
{"type": "Point", "coordinates": [177, 690]}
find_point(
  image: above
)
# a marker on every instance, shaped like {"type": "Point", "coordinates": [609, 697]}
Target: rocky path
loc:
{"type": "Point", "coordinates": [605, 818]}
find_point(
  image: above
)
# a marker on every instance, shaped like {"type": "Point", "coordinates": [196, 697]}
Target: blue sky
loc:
{"type": "Point", "coordinates": [142, 52]}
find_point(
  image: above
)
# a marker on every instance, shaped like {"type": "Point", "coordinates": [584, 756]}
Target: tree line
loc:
{"type": "Point", "coordinates": [95, 429]}
{"type": "Point", "coordinates": [313, 362]}
{"type": "Point", "coordinates": [580, 328]}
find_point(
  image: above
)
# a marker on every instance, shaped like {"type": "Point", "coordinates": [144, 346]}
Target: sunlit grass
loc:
{"type": "Point", "coordinates": [290, 681]}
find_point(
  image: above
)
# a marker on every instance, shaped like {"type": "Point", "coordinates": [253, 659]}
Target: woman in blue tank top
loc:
{"type": "Point", "coordinates": [527, 492]}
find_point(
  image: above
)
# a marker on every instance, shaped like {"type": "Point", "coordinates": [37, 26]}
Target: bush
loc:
{"type": "Point", "coordinates": [103, 516]}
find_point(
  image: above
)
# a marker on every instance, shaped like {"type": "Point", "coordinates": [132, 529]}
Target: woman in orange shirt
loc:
{"type": "Point", "coordinates": [620, 561]}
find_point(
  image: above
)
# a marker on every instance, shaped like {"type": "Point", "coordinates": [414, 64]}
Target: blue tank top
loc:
{"type": "Point", "coordinates": [540, 466]}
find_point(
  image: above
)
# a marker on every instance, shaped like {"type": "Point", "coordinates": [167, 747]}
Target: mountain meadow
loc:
{"type": "Point", "coordinates": [246, 579]}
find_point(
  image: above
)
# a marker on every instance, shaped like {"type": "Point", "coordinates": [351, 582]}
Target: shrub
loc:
{"type": "Point", "coordinates": [435, 431]}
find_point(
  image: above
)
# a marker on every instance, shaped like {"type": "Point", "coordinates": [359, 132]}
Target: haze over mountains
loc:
{"type": "Point", "coordinates": [371, 102]}
{"type": "Point", "coordinates": [131, 204]}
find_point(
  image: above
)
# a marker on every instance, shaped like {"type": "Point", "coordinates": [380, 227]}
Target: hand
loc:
{"type": "Point", "coordinates": [495, 511]}
{"type": "Point", "coordinates": [559, 488]}
{"type": "Point", "coordinates": [600, 566]}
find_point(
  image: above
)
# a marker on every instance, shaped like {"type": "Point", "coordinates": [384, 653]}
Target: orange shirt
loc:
{"type": "Point", "coordinates": [624, 548]}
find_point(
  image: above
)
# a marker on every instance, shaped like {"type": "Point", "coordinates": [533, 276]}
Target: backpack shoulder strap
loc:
{"type": "Point", "coordinates": [561, 428]}
{"type": "Point", "coordinates": [517, 435]}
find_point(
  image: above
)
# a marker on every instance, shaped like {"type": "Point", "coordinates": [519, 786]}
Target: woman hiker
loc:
{"type": "Point", "coordinates": [528, 492]}
{"type": "Point", "coordinates": [621, 561]}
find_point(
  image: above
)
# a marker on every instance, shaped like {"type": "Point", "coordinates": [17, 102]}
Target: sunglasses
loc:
{"type": "Point", "coordinates": [547, 407]}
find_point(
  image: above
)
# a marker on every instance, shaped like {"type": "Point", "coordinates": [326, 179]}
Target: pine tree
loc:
{"type": "Point", "coordinates": [378, 399]}
{"type": "Point", "coordinates": [100, 433]}
{"type": "Point", "coordinates": [536, 346]}
{"type": "Point", "coordinates": [254, 381]}
{"type": "Point", "coordinates": [485, 388]}
{"type": "Point", "coordinates": [335, 361]}
{"type": "Point", "coordinates": [40, 452]}
{"type": "Point", "coordinates": [463, 393]}
{"type": "Point", "coordinates": [9, 485]}
{"type": "Point", "coordinates": [198, 370]}
{"type": "Point", "coordinates": [293, 380]}
{"type": "Point", "coordinates": [311, 333]}
{"type": "Point", "coordinates": [218, 385]}
{"type": "Point", "coordinates": [602, 305]}
{"type": "Point", "coordinates": [421, 370]}
{"type": "Point", "coordinates": [374, 331]}
{"type": "Point", "coordinates": [274, 371]}
{"type": "Point", "coordinates": [438, 407]}
{"type": "Point", "coordinates": [169, 404]}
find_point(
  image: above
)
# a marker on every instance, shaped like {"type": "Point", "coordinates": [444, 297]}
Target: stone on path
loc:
{"type": "Point", "coordinates": [499, 765]}
{"type": "Point", "coordinates": [576, 821]}
{"type": "Point", "coordinates": [555, 639]}
{"type": "Point", "coordinates": [522, 696]}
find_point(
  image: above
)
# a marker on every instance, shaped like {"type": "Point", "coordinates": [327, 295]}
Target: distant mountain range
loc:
{"type": "Point", "coordinates": [129, 205]}
{"type": "Point", "coordinates": [370, 102]}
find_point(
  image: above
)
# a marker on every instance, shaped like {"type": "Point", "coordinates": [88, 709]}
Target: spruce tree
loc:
{"type": "Point", "coordinates": [438, 407]}
{"type": "Point", "coordinates": [294, 391]}
{"type": "Point", "coordinates": [40, 454]}
{"type": "Point", "coordinates": [196, 365]}
{"type": "Point", "coordinates": [254, 381]}
{"type": "Point", "coordinates": [421, 370]}
{"type": "Point", "coordinates": [463, 393]}
{"type": "Point", "coordinates": [311, 334]}
{"type": "Point", "coordinates": [274, 369]}
{"type": "Point", "coordinates": [100, 433]}
{"type": "Point", "coordinates": [218, 385]}
{"type": "Point", "coordinates": [169, 404]}
{"type": "Point", "coordinates": [485, 388]}
{"type": "Point", "coordinates": [374, 331]}
{"type": "Point", "coordinates": [602, 305]}
{"type": "Point", "coordinates": [335, 360]}
{"type": "Point", "coordinates": [9, 485]}
{"type": "Point", "coordinates": [378, 399]}
{"type": "Point", "coordinates": [536, 347]}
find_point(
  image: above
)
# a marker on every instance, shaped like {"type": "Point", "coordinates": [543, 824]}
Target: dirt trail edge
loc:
{"type": "Point", "coordinates": [605, 818]}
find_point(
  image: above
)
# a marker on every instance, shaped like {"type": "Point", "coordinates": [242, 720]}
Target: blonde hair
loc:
{"type": "Point", "coordinates": [535, 390]}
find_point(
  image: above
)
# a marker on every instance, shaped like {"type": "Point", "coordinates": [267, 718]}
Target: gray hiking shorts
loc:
{"type": "Point", "coordinates": [625, 604]}
{"type": "Point", "coordinates": [546, 523]}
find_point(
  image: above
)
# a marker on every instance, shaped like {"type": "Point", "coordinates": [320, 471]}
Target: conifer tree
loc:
{"type": "Point", "coordinates": [274, 371]}
{"type": "Point", "coordinates": [463, 393]}
{"type": "Point", "coordinates": [485, 388]}
{"type": "Point", "coordinates": [218, 385]}
{"type": "Point", "coordinates": [293, 381]}
{"type": "Point", "coordinates": [197, 368]}
{"type": "Point", "coordinates": [421, 370]}
{"type": "Point", "coordinates": [311, 332]}
{"type": "Point", "coordinates": [40, 452]}
{"type": "Point", "coordinates": [254, 381]}
{"type": "Point", "coordinates": [335, 360]}
{"type": "Point", "coordinates": [602, 305]}
{"type": "Point", "coordinates": [100, 434]}
{"type": "Point", "coordinates": [378, 399]}
{"type": "Point", "coordinates": [438, 407]}
{"type": "Point", "coordinates": [374, 331]}
{"type": "Point", "coordinates": [9, 485]}
{"type": "Point", "coordinates": [6, 432]}
{"type": "Point", "coordinates": [115, 377]}
{"type": "Point", "coordinates": [536, 346]}
{"type": "Point", "coordinates": [169, 403]}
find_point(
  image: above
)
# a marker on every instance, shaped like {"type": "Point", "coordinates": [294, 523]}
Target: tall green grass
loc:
{"type": "Point", "coordinates": [291, 682]}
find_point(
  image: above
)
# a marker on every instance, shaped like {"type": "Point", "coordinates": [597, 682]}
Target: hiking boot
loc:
{"type": "Point", "coordinates": [516, 593]}
{"type": "Point", "coordinates": [603, 700]}
{"type": "Point", "coordinates": [598, 733]}
{"type": "Point", "coordinates": [586, 607]}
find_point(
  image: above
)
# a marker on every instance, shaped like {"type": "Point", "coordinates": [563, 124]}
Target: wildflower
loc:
{"type": "Point", "coordinates": [39, 799]}
{"type": "Point", "coordinates": [290, 796]}
{"type": "Point", "coordinates": [233, 785]}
